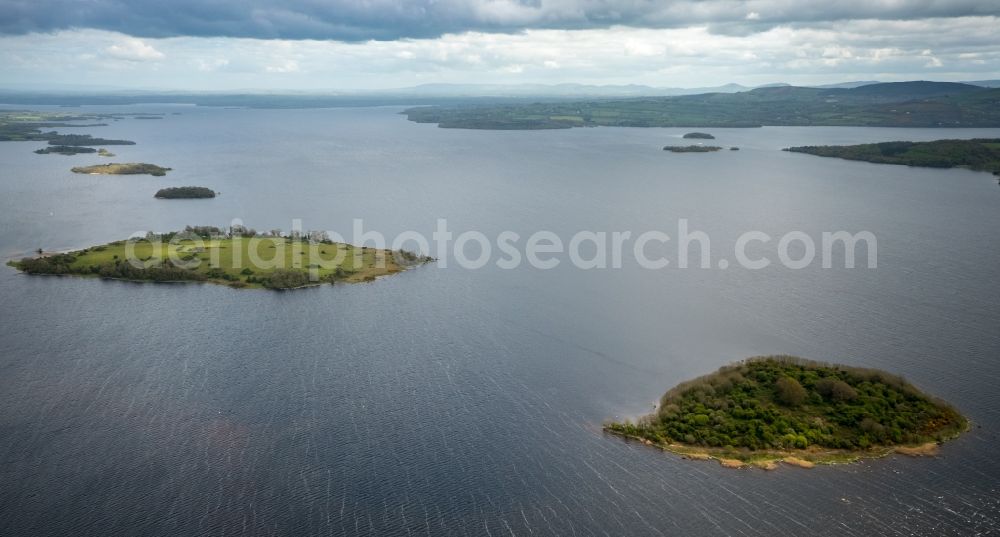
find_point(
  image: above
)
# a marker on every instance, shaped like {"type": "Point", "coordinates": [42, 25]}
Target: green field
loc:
{"type": "Point", "coordinates": [252, 262]}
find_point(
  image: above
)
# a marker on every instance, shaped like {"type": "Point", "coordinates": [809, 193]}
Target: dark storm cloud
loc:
{"type": "Point", "coordinates": [358, 20]}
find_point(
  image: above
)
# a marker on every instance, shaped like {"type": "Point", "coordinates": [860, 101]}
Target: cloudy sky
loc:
{"type": "Point", "coordinates": [372, 44]}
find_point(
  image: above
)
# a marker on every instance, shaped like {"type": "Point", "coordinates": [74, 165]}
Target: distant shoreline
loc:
{"type": "Point", "coordinates": [895, 104]}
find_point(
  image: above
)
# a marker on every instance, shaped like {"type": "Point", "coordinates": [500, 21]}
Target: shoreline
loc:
{"type": "Point", "coordinates": [223, 283]}
{"type": "Point", "coordinates": [770, 459]}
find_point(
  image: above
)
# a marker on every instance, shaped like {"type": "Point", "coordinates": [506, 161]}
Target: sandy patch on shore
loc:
{"type": "Point", "coordinates": [801, 463]}
{"type": "Point", "coordinates": [924, 450]}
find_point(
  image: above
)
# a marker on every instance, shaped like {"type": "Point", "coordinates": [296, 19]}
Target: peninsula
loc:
{"type": "Point", "coordinates": [65, 150]}
{"type": "Point", "coordinates": [23, 125]}
{"type": "Point", "coordinates": [131, 168]}
{"type": "Point", "coordinates": [236, 258]}
{"type": "Point", "coordinates": [83, 139]}
{"type": "Point", "coordinates": [185, 192]}
{"type": "Point", "coordinates": [769, 409]}
{"type": "Point", "coordinates": [981, 154]}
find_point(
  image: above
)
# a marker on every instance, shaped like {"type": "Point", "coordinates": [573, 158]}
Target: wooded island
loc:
{"type": "Point", "coordinates": [781, 408]}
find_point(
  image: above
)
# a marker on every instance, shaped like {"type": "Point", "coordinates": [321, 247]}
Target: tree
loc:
{"type": "Point", "coordinates": [789, 391]}
{"type": "Point", "coordinates": [836, 390]}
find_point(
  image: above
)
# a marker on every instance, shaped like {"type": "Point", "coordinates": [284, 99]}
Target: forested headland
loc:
{"type": "Point", "coordinates": [981, 154]}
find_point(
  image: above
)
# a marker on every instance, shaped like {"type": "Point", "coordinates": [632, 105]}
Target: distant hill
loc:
{"type": "Point", "coordinates": [848, 85]}
{"type": "Point", "coordinates": [497, 94]}
{"type": "Point", "coordinates": [286, 99]}
{"type": "Point", "coordinates": [555, 90]}
{"type": "Point", "coordinates": [985, 83]}
{"type": "Point", "coordinates": [879, 91]}
{"type": "Point", "coordinates": [913, 90]}
{"type": "Point", "coordinates": [893, 104]}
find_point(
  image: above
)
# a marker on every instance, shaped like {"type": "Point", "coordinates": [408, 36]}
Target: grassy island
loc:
{"type": "Point", "coordinates": [104, 153]}
{"type": "Point", "coordinates": [780, 408]}
{"type": "Point", "coordinates": [982, 154]}
{"type": "Point", "coordinates": [699, 136]}
{"type": "Point", "coordinates": [65, 150]}
{"type": "Point", "coordinates": [121, 169]}
{"type": "Point", "coordinates": [691, 148]}
{"type": "Point", "coordinates": [241, 259]}
{"type": "Point", "coordinates": [185, 192]}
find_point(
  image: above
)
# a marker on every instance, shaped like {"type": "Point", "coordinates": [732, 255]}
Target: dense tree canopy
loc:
{"type": "Point", "coordinates": [976, 154]}
{"type": "Point", "coordinates": [787, 403]}
{"type": "Point", "coordinates": [185, 192]}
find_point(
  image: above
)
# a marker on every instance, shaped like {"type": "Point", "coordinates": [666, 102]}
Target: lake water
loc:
{"type": "Point", "coordinates": [449, 401]}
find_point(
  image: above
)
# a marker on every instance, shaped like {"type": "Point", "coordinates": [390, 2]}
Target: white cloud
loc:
{"type": "Point", "coordinates": [208, 65]}
{"type": "Point", "coordinates": [690, 56]}
{"type": "Point", "coordinates": [360, 20]}
{"type": "Point", "coordinates": [284, 66]}
{"type": "Point", "coordinates": [133, 50]}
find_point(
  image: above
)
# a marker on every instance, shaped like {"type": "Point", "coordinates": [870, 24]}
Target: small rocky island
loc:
{"type": "Point", "coordinates": [185, 192]}
{"type": "Point", "coordinates": [699, 136]}
{"type": "Point", "coordinates": [691, 148]}
{"type": "Point", "coordinates": [65, 150]}
{"type": "Point", "coordinates": [772, 409]}
{"type": "Point", "coordinates": [227, 257]}
{"type": "Point", "coordinates": [132, 168]}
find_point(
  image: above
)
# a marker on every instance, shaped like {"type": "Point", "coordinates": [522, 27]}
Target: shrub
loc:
{"type": "Point", "coordinates": [286, 279]}
{"type": "Point", "coordinates": [836, 390]}
{"type": "Point", "coordinates": [789, 391]}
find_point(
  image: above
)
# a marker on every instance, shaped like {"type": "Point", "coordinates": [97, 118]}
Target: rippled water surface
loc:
{"type": "Point", "coordinates": [468, 402]}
